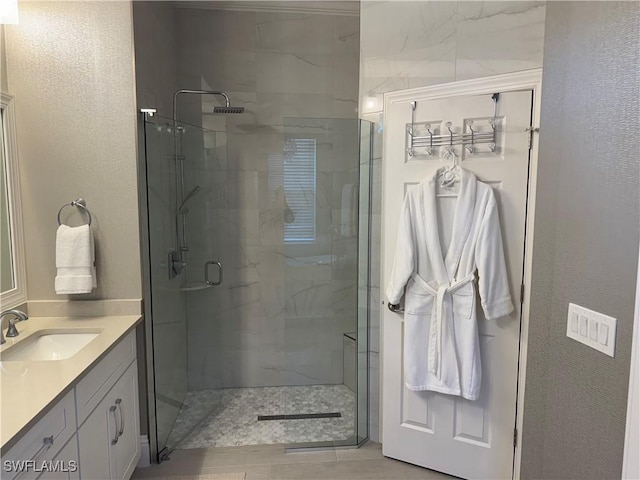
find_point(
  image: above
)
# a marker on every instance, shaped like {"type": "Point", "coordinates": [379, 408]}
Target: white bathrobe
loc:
{"type": "Point", "coordinates": [442, 351]}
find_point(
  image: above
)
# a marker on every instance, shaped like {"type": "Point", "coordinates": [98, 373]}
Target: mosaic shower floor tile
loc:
{"type": "Point", "coordinates": [231, 416]}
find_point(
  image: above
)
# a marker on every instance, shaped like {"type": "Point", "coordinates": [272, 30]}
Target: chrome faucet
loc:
{"type": "Point", "coordinates": [12, 331]}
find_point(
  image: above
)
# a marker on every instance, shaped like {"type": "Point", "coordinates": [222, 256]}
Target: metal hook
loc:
{"type": "Point", "coordinates": [430, 148]}
{"type": "Point", "coordinates": [471, 148]}
{"type": "Point", "coordinates": [413, 104]}
{"type": "Point", "coordinates": [494, 121]}
{"type": "Point", "coordinates": [450, 134]}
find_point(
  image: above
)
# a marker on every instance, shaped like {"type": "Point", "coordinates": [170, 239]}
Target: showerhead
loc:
{"type": "Point", "coordinates": [194, 191]}
{"type": "Point", "coordinates": [228, 110]}
{"type": "Point", "coordinates": [225, 110]}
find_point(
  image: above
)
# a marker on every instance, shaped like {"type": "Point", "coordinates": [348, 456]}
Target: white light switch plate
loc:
{"type": "Point", "coordinates": [600, 331]}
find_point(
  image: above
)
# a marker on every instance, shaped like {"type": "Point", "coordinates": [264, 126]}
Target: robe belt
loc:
{"type": "Point", "coordinates": [442, 293]}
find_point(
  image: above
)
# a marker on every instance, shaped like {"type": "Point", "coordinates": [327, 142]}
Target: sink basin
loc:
{"type": "Point", "coordinates": [48, 345]}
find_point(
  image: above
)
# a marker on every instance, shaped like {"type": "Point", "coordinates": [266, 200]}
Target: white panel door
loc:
{"type": "Point", "coordinates": [469, 439]}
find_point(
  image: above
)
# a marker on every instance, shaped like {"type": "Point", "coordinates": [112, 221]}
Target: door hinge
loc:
{"type": "Point", "coordinates": [521, 293]}
{"type": "Point", "coordinates": [531, 131]}
{"type": "Point", "coordinates": [515, 437]}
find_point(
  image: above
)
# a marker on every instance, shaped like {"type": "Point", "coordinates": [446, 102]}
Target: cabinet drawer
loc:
{"type": "Point", "coordinates": [43, 441]}
{"type": "Point", "coordinates": [95, 385]}
{"type": "Point", "coordinates": [64, 466]}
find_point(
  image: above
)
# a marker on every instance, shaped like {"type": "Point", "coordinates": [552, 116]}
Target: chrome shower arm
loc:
{"type": "Point", "coordinates": [196, 92]}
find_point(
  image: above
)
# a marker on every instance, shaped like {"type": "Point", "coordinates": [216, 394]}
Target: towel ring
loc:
{"type": "Point", "coordinates": [79, 203]}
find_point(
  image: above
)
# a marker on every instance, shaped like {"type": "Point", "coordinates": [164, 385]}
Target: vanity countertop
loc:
{"type": "Point", "coordinates": [29, 388]}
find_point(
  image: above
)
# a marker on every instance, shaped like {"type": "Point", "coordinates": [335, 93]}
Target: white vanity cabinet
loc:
{"type": "Point", "coordinates": [109, 439]}
{"type": "Point", "coordinates": [66, 461]}
{"type": "Point", "coordinates": [93, 432]}
{"type": "Point", "coordinates": [108, 419]}
{"type": "Point", "coordinates": [51, 438]}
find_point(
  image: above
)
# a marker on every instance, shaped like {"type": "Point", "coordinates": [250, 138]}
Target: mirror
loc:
{"type": "Point", "coordinates": [13, 291]}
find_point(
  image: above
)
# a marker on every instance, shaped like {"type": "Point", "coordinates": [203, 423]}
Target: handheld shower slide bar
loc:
{"type": "Point", "coordinates": [181, 199]}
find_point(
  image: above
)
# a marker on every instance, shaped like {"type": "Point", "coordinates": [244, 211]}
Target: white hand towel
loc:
{"type": "Point", "coordinates": [75, 260]}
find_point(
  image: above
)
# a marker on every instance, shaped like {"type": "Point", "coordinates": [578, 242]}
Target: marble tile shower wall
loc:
{"type": "Point", "coordinates": [409, 44]}
{"type": "Point", "coordinates": [280, 315]}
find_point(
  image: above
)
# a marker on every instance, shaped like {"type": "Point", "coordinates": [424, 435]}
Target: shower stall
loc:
{"type": "Point", "coordinates": [255, 172]}
{"type": "Point", "coordinates": [257, 280]}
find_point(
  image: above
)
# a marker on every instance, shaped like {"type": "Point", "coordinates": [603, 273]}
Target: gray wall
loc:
{"type": "Point", "coordinates": [72, 75]}
{"type": "Point", "coordinates": [585, 239]}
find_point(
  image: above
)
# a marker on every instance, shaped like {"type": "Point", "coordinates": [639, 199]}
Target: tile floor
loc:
{"type": "Point", "coordinates": [270, 462]}
{"type": "Point", "coordinates": [232, 416]}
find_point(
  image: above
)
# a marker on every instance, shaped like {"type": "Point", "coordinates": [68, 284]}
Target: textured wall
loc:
{"type": "Point", "coordinates": [585, 239]}
{"type": "Point", "coordinates": [72, 74]}
{"type": "Point", "coordinates": [156, 55]}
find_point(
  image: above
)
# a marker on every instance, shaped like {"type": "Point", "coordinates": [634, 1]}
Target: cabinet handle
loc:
{"type": "Point", "coordinates": [119, 404]}
{"type": "Point", "coordinates": [112, 409]}
{"type": "Point", "coordinates": [47, 443]}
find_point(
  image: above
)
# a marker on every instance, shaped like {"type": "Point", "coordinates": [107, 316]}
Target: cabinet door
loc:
{"type": "Point", "coordinates": [94, 439]}
{"type": "Point", "coordinates": [125, 453]}
{"type": "Point", "coordinates": [64, 466]}
{"type": "Point", "coordinates": [109, 438]}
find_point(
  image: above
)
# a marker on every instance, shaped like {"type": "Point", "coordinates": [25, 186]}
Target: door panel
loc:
{"type": "Point", "coordinates": [470, 439]}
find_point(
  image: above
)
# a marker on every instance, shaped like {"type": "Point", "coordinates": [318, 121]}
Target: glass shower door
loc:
{"type": "Point", "coordinates": [277, 353]}
{"type": "Point", "coordinates": [176, 270]}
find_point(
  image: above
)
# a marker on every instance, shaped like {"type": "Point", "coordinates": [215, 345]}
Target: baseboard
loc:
{"type": "Point", "coordinates": [145, 453]}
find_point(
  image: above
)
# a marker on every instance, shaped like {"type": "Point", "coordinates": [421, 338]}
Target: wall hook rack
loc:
{"type": "Point", "coordinates": [468, 140]}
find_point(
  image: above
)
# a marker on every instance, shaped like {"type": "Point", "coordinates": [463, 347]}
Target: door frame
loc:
{"type": "Point", "coordinates": [630, 462]}
{"type": "Point", "coordinates": [524, 80]}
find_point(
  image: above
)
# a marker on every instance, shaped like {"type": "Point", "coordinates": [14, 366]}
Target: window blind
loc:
{"type": "Point", "coordinates": [299, 182]}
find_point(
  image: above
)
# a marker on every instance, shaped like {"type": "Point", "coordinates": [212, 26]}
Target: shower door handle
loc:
{"type": "Point", "coordinates": [206, 272]}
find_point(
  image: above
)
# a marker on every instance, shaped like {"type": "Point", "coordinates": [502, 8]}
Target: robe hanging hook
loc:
{"type": "Point", "coordinates": [429, 149]}
{"type": "Point", "coordinates": [471, 147]}
{"type": "Point", "coordinates": [450, 134]}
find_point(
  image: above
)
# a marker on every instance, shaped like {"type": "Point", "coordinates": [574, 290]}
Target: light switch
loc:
{"type": "Point", "coordinates": [584, 321]}
{"type": "Point", "coordinates": [603, 334]}
{"type": "Point", "coordinates": [593, 329]}
{"type": "Point", "coordinates": [574, 322]}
